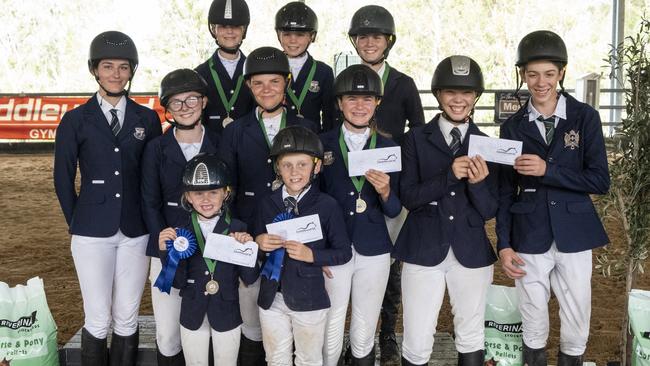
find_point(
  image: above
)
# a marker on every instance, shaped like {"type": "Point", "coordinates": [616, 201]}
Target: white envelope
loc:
{"type": "Point", "coordinates": [496, 150]}
{"type": "Point", "coordinates": [303, 229]}
{"type": "Point", "coordinates": [225, 248]}
{"type": "Point", "coordinates": [385, 159]}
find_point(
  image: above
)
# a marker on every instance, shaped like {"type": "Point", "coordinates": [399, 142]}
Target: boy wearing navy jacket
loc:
{"type": "Point", "coordinates": [293, 301]}
{"type": "Point", "coordinates": [547, 224]}
{"type": "Point", "coordinates": [208, 287]}
{"type": "Point", "coordinates": [182, 94]}
{"type": "Point", "coordinates": [443, 243]}
{"type": "Point", "coordinates": [310, 92]}
{"type": "Point", "coordinates": [365, 200]}
{"type": "Point", "coordinates": [245, 148]}
{"type": "Point", "coordinates": [106, 137]}
{"type": "Point", "coordinates": [228, 96]}
{"type": "Point", "coordinates": [372, 33]}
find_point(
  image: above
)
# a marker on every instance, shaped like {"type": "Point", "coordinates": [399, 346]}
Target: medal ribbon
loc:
{"type": "Point", "coordinates": [298, 101]}
{"type": "Point", "coordinates": [273, 265]}
{"type": "Point", "coordinates": [384, 77]}
{"type": "Point", "coordinates": [167, 273]}
{"type": "Point", "coordinates": [283, 124]}
{"type": "Point", "coordinates": [211, 263]}
{"type": "Point", "coordinates": [222, 95]}
{"type": "Point", "coordinates": [357, 181]}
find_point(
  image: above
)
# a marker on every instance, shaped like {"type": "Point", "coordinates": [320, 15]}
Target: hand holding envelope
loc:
{"type": "Point", "coordinates": [303, 229]}
{"type": "Point", "coordinates": [501, 151]}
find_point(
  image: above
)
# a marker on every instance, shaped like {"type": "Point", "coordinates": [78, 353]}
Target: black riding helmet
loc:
{"type": "Point", "coordinates": [458, 72]}
{"type": "Point", "coordinates": [358, 80]}
{"type": "Point", "coordinates": [296, 139]}
{"type": "Point", "coordinates": [266, 60]}
{"type": "Point", "coordinates": [296, 16]}
{"type": "Point", "coordinates": [181, 81]}
{"type": "Point", "coordinates": [541, 45]}
{"type": "Point", "coordinates": [113, 45]}
{"type": "Point", "coordinates": [229, 12]}
{"type": "Point", "coordinates": [373, 19]}
{"type": "Point", "coordinates": [205, 172]}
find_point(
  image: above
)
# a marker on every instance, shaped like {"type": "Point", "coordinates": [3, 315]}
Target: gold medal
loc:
{"type": "Point", "coordinates": [361, 205]}
{"type": "Point", "coordinates": [227, 121]}
{"type": "Point", "coordinates": [212, 287]}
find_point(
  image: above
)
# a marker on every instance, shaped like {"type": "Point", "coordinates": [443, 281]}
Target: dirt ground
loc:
{"type": "Point", "coordinates": [36, 243]}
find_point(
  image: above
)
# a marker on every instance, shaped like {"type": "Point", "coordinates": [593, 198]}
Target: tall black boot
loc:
{"type": "Point", "coordinates": [471, 359]}
{"type": "Point", "coordinates": [251, 353]}
{"type": "Point", "coordinates": [566, 360]}
{"type": "Point", "coordinates": [175, 360]}
{"type": "Point", "coordinates": [124, 350]}
{"type": "Point", "coordinates": [93, 350]}
{"type": "Point", "coordinates": [388, 350]}
{"type": "Point", "coordinates": [534, 357]}
{"type": "Point", "coordinates": [367, 360]}
{"type": "Point", "coordinates": [406, 362]}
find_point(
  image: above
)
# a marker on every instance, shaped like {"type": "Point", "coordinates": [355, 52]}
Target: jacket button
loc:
{"type": "Point", "coordinates": [268, 184]}
{"type": "Point", "coordinates": [269, 161]}
{"type": "Point", "coordinates": [553, 203]}
{"type": "Point", "coordinates": [452, 193]}
{"type": "Point", "coordinates": [207, 273]}
{"type": "Point", "coordinates": [117, 149]}
{"type": "Point", "coordinates": [117, 195]}
{"type": "Point", "coordinates": [117, 173]}
{"type": "Point", "coordinates": [451, 218]}
{"type": "Point", "coordinates": [550, 160]}
{"type": "Point", "coordinates": [232, 108]}
{"type": "Point", "coordinates": [205, 293]}
{"type": "Point", "coordinates": [232, 91]}
{"type": "Point", "coordinates": [351, 193]}
{"type": "Point", "coordinates": [293, 107]}
{"type": "Point", "coordinates": [351, 213]}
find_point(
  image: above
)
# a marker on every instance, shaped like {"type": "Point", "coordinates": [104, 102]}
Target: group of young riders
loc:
{"type": "Point", "coordinates": [259, 139]}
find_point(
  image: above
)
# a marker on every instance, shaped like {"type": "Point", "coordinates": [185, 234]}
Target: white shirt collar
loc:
{"type": "Point", "coordinates": [230, 65]}
{"type": "Point", "coordinates": [271, 124]}
{"type": "Point", "coordinates": [446, 127]}
{"type": "Point", "coordinates": [207, 226]}
{"type": "Point", "coordinates": [560, 109]}
{"type": "Point", "coordinates": [296, 64]}
{"type": "Point", "coordinates": [286, 194]}
{"type": "Point", "coordinates": [106, 108]}
{"type": "Point", "coordinates": [190, 149]}
{"type": "Point", "coordinates": [355, 141]}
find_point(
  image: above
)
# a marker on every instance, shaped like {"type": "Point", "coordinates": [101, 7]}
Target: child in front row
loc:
{"type": "Point", "coordinates": [209, 288]}
{"type": "Point", "coordinates": [293, 300]}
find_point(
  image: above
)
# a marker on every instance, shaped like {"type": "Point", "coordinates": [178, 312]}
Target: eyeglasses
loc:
{"type": "Point", "coordinates": [176, 105]}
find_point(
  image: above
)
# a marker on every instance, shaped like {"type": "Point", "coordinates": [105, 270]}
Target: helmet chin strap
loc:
{"type": "Point", "coordinates": [231, 50]}
{"type": "Point", "coordinates": [271, 110]}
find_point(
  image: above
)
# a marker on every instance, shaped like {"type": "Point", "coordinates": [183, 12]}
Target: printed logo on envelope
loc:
{"type": "Point", "coordinates": [390, 158]}
{"type": "Point", "coordinates": [309, 227]}
{"type": "Point", "coordinates": [572, 139]}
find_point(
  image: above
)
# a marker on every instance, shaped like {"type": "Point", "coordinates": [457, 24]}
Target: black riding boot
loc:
{"type": "Point", "coordinates": [93, 350]}
{"type": "Point", "coordinates": [406, 362]}
{"type": "Point", "coordinates": [251, 353]}
{"type": "Point", "coordinates": [367, 360]}
{"type": "Point", "coordinates": [471, 359]}
{"type": "Point", "coordinates": [534, 357]}
{"type": "Point", "coordinates": [566, 360]}
{"type": "Point", "coordinates": [124, 350]}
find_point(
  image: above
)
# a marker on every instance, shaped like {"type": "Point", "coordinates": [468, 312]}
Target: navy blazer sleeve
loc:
{"type": "Point", "coordinates": [413, 193]}
{"type": "Point", "coordinates": [152, 200]}
{"type": "Point", "coordinates": [339, 250]}
{"type": "Point", "coordinates": [594, 177]}
{"type": "Point", "coordinates": [66, 153]}
{"type": "Point", "coordinates": [328, 107]}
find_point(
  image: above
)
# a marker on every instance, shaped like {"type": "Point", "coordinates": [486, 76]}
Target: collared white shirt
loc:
{"type": "Point", "coordinates": [381, 70]}
{"type": "Point", "coordinates": [230, 65]}
{"type": "Point", "coordinates": [559, 113]}
{"type": "Point", "coordinates": [296, 64]}
{"type": "Point", "coordinates": [106, 109]}
{"type": "Point", "coordinates": [190, 149]}
{"type": "Point", "coordinates": [446, 127]}
{"type": "Point", "coordinates": [355, 141]}
{"type": "Point", "coordinates": [207, 226]}
{"type": "Point", "coordinates": [302, 194]}
{"type": "Point", "coordinates": [271, 124]}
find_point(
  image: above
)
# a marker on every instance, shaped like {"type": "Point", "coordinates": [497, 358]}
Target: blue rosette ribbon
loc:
{"type": "Point", "coordinates": [273, 266]}
{"type": "Point", "coordinates": [182, 248]}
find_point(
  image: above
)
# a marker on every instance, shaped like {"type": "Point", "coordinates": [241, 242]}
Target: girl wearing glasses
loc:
{"type": "Point", "coordinates": [182, 94]}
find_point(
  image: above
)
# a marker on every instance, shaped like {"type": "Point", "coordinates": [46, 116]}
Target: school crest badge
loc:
{"type": "Point", "coordinates": [314, 87]}
{"type": "Point", "coordinates": [139, 133]}
{"type": "Point", "coordinates": [572, 139]}
{"type": "Point", "coordinates": [328, 158]}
